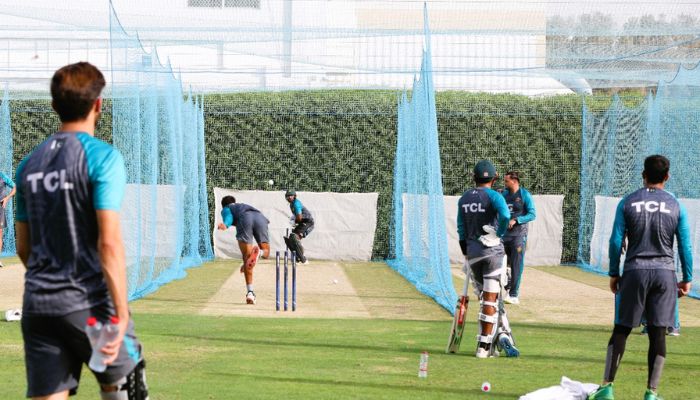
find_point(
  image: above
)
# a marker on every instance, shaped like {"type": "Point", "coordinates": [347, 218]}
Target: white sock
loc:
{"type": "Point", "coordinates": [249, 287]}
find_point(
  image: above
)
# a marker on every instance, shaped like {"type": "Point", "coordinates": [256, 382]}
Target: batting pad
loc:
{"type": "Point", "coordinates": [344, 223]}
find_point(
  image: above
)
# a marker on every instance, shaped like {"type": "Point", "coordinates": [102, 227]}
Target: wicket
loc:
{"type": "Point", "coordinates": [286, 281]}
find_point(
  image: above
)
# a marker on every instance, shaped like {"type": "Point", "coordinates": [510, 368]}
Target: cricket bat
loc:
{"type": "Point", "coordinates": [460, 317]}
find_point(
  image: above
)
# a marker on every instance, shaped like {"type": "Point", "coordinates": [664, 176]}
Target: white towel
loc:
{"type": "Point", "coordinates": [567, 390]}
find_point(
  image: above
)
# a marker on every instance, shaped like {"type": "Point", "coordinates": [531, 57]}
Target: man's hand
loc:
{"type": "Point", "coordinates": [111, 349]}
{"type": "Point", "coordinates": [512, 223]}
{"type": "Point", "coordinates": [221, 226]}
{"type": "Point", "coordinates": [614, 284]}
{"type": "Point", "coordinates": [683, 288]}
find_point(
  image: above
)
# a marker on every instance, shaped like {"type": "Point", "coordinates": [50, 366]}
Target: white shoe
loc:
{"type": "Point", "coordinates": [305, 262]}
{"type": "Point", "coordinates": [511, 300]}
{"type": "Point", "coordinates": [250, 298]}
{"type": "Point", "coordinates": [482, 352]}
{"type": "Point", "coordinates": [14, 314]}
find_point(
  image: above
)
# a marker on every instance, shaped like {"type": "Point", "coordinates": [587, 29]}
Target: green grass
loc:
{"type": "Point", "coordinates": [201, 357]}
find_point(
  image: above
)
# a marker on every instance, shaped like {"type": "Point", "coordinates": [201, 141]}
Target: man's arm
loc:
{"type": "Point", "coordinates": [111, 250]}
{"type": "Point", "coordinates": [298, 216]}
{"type": "Point", "coordinates": [615, 246]}
{"type": "Point", "coordinates": [503, 213]}
{"type": "Point", "coordinates": [22, 241]}
{"type": "Point", "coordinates": [685, 252]}
{"type": "Point", "coordinates": [8, 197]}
{"type": "Point", "coordinates": [529, 205]}
{"type": "Point", "coordinates": [460, 230]}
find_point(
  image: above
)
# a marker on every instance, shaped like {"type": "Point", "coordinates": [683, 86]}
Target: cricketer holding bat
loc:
{"type": "Point", "coordinates": [651, 218]}
{"type": "Point", "coordinates": [478, 208]}
{"type": "Point", "coordinates": [303, 225]}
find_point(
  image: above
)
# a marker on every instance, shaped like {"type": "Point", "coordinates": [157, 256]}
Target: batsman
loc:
{"type": "Point", "coordinates": [481, 244]}
{"type": "Point", "coordinates": [303, 225]}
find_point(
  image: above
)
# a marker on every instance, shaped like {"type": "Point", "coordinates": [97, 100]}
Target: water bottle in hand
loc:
{"type": "Point", "coordinates": [109, 333]}
{"type": "Point", "coordinates": [93, 328]}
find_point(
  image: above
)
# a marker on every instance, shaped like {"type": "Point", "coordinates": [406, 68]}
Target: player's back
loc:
{"type": "Point", "coordinates": [651, 219]}
{"type": "Point", "coordinates": [59, 188]}
{"type": "Point", "coordinates": [476, 210]}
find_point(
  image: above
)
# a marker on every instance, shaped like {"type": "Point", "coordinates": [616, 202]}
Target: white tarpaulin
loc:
{"type": "Point", "coordinates": [144, 237]}
{"type": "Point", "coordinates": [545, 233]}
{"type": "Point", "coordinates": [605, 208]}
{"type": "Point", "coordinates": [345, 223]}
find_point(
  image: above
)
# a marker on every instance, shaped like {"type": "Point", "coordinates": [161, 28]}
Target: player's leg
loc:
{"type": "Point", "coordinates": [3, 224]}
{"type": "Point", "coordinates": [661, 314]}
{"type": "Point", "coordinates": [516, 259]}
{"type": "Point", "coordinates": [629, 309]}
{"type": "Point", "coordinates": [52, 369]}
{"type": "Point", "coordinates": [262, 235]}
{"type": "Point", "coordinates": [487, 272]}
{"type": "Point", "coordinates": [125, 378]}
{"type": "Point", "coordinates": [295, 237]}
{"type": "Point", "coordinates": [249, 251]}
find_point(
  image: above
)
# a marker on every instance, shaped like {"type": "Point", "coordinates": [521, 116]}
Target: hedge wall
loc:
{"type": "Point", "coordinates": [344, 141]}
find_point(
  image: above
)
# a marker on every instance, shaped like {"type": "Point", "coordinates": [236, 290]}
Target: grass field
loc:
{"type": "Point", "coordinates": [192, 356]}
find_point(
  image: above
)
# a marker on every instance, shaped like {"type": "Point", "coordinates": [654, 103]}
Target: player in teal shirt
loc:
{"type": "Point", "coordinates": [7, 190]}
{"type": "Point", "coordinates": [303, 225]}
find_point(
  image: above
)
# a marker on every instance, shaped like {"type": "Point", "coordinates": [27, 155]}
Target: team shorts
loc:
{"type": "Point", "coordinates": [252, 228]}
{"type": "Point", "coordinates": [3, 218]}
{"type": "Point", "coordinates": [55, 349]}
{"type": "Point", "coordinates": [485, 263]}
{"type": "Point", "coordinates": [646, 292]}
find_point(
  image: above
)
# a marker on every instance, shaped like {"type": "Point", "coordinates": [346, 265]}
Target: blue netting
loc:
{"type": "Point", "coordinates": [8, 234]}
{"type": "Point", "coordinates": [615, 143]}
{"type": "Point", "coordinates": [160, 132]}
{"type": "Point", "coordinates": [419, 236]}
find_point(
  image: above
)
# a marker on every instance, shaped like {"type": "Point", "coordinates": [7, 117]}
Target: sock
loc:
{"type": "Point", "coordinates": [249, 287]}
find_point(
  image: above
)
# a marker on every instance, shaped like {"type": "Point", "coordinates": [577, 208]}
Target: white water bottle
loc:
{"type": "Point", "coordinates": [423, 366]}
{"type": "Point", "coordinates": [93, 328]}
{"type": "Point", "coordinates": [108, 333]}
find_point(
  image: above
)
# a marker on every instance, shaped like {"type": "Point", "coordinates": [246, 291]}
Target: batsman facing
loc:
{"type": "Point", "coordinates": [303, 225]}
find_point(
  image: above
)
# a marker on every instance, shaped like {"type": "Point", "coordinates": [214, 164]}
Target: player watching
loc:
{"type": "Point", "coordinates": [651, 218]}
{"type": "Point", "coordinates": [69, 192]}
{"type": "Point", "coordinates": [522, 211]}
{"type": "Point", "coordinates": [304, 224]}
{"type": "Point", "coordinates": [5, 184]}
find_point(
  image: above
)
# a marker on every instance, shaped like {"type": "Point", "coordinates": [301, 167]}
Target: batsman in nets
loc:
{"type": "Point", "coordinates": [482, 247]}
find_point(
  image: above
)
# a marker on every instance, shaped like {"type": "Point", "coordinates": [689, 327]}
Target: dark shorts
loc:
{"type": "Point", "coordinates": [55, 349]}
{"type": "Point", "coordinates": [304, 227]}
{"type": "Point", "coordinates": [3, 218]}
{"type": "Point", "coordinates": [252, 228]}
{"type": "Point", "coordinates": [646, 292]}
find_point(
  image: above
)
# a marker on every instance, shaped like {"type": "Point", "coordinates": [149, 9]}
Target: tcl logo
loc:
{"type": "Point", "coordinates": [51, 181]}
{"type": "Point", "coordinates": [473, 207]}
{"type": "Point", "coordinates": [651, 206]}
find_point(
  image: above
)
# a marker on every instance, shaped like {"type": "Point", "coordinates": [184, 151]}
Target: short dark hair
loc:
{"type": "Point", "coordinates": [226, 200]}
{"type": "Point", "coordinates": [513, 175]}
{"type": "Point", "coordinates": [656, 168]}
{"type": "Point", "coordinates": [74, 89]}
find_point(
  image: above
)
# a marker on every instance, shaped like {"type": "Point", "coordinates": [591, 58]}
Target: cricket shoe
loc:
{"type": "Point", "coordinates": [505, 344]}
{"type": "Point", "coordinates": [511, 300]}
{"type": "Point", "coordinates": [650, 395]}
{"type": "Point", "coordinates": [250, 297]}
{"type": "Point", "coordinates": [604, 392]}
{"type": "Point", "coordinates": [482, 353]}
{"type": "Point", "coordinates": [673, 331]}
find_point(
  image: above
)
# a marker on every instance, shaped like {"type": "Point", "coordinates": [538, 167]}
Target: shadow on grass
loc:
{"type": "Point", "coordinates": [469, 393]}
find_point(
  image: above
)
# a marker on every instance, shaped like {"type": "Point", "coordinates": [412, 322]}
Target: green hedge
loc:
{"type": "Point", "coordinates": [344, 141]}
